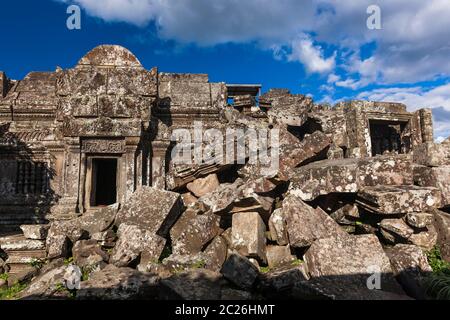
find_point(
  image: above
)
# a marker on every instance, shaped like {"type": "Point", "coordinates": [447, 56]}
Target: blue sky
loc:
{"type": "Point", "coordinates": [317, 47]}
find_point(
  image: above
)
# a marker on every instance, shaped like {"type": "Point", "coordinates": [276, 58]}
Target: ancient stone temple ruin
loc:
{"type": "Point", "coordinates": [87, 171]}
{"type": "Point", "coordinates": [76, 139]}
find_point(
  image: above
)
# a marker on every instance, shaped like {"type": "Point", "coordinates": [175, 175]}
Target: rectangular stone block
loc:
{"type": "Point", "coordinates": [248, 235]}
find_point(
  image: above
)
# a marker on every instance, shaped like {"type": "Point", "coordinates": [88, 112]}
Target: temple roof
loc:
{"type": "Point", "coordinates": [110, 56]}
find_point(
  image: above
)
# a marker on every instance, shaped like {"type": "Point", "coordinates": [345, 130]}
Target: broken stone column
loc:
{"type": "Point", "coordinates": [248, 235]}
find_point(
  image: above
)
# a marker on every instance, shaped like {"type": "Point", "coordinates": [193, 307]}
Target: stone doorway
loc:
{"type": "Point", "coordinates": [388, 137]}
{"type": "Point", "coordinates": [103, 182]}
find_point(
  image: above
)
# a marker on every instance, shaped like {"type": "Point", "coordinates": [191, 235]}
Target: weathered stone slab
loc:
{"type": "Point", "coordinates": [203, 186]}
{"type": "Point", "coordinates": [192, 285]}
{"type": "Point", "coordinates": [294, 153]}
{"type": "Point", "coordinates": [223, 198]}
{"type": "Point", "coordinates": [432, 154]}
{"type": "Point", "coordinates": [437, 177]}
{"type": "Point", "coordinates": [426, 238]}
{"type": "Point", "coordinates": [410, 266]}
{"type": "Point", "coordinates": [14, 243]}
{"type": "Point", "coordinates": [278, 283]}
{"type": "Point", "coordinates": [355, 258]}
{"type": "Point", "coordinates": [99, 220]}
{"type": "Point", "coordinates": [419, 219]}
{"type": "Point", "coordinates": [240, 271]}
{"type": "Point", "coordinates": [114, 283]}
{"type": "Point", "coordinates": [442, 223]}
{"type": "Point", "coordinates": [87, 253]}
{"type": "Point", "coordinates": [216, 253]}
{"type": "Point", "coordinates": [35, 231]}
{"type": "Point", "coordinates": [150, 208]}
{"type": "Point", "coordinates": [133, 242]}
{"type": "Point", "coordinates": [196, 232]}
{"type": "Point", "coordinates": [349, 175]}
{"type": "Point", "coordinates": [248, 235]}
{"type": "Point", "coordinates": [306, 224]}
{"type": "Point", "coordinates": [399, 199]}
{"type": "Point", "coordinates": [57, 246]}
{"type": "Point", "coordinates": [395, 230]}
{"type": "Point", "coordinates": [277, 227]}
{"type": "Point", "coordinates": [278, 255]}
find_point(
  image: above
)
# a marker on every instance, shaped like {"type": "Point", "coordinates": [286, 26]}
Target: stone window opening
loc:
{"type": "Point", "coordinates": [31, 178]}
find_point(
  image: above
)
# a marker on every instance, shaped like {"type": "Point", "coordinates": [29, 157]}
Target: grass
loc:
{"type": "Point", "coordinates": [68, 261]}
{"type": "Point", "coordinates": [264, 269]}
{"type": "Point", "coordinates": [297, 262]}
{"type": "Point", "coordinates": [437, 284]}
{"type": "Point", "coordinates": [12, 292]}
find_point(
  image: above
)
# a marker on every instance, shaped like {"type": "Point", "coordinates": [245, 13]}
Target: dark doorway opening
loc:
{"type": "Point", "coordinates": [387, 137]}
{"type": "Point", "coordinates": [104, 182]}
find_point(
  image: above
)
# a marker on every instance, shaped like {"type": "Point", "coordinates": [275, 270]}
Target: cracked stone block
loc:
{"type": "Point", "coordinates": [437, 177]}
{"type": "Point", "coordinates": [395, 230]}
{"type": "Point", "coordinates": [134, 241]}
{"type": "Point", "coordinates": [195, 231]}
{"type": "Point", "coordinates": [151, 208]}
{"type": "Point", "coordinates": [279, 255]}
{"type": "Point", "coordinates": [306, 224]}
{"type": "Point", "coordinates": [277, 227]}
{"type": "Point", "coordinates": [203, 186]}
{"type": "Point", "coordinates": [248, 235]}
{"type": "Point", "coordinates": [240, 271]}
{"type": "Point", "coordinates": [426, 239]}
{"type": "Point", "coordinates": [432, 154]}
{"type": "Point", "coordinates": [419, 219]}
{"type": "Point", "coordinates": [354, 259]}
{"type": "Point", "coordinates": [410, 266]}
{"type": "Point", "coordinates": [442, 223]}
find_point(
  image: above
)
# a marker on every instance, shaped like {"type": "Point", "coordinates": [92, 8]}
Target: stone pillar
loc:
{"type": "Point", "coordinates": [3, 84]}
{"type": "Point", "coordinates": [158, 163]}
{"type": "Point", "coordinates": [426, 125]}
{"type": "Point", "coordinates": [131, 159]}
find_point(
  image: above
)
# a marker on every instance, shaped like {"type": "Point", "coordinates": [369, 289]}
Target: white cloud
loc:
{"type": "Point", "coordinates": [415, 98]}
{"type": "Point", "coordinates": [414, 44]}
{"type": "Point", "coordinates": [311, 56]}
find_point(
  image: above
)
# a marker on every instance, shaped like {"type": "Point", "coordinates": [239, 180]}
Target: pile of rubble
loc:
{"type": "Point", "coordinates": [328, 224]}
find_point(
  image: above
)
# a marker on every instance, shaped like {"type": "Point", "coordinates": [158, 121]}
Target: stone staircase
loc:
{"type": "Point", "coordinates": [24, 251]}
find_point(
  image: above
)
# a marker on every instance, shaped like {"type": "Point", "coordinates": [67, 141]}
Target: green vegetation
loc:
{"type": "Point", "coordinates": [37, 263]}
{"type": "Point", "coordinates": [297, 262]}
{"type": "Point", "coordinates": [60, 287]}
{"type": "Point", "coordinates": [12, 292]}
{"type": "Point", "coordinates": [199, 264]}
{"type": "Point", "coordinates": [438, 283]}
{"type": "Point", "coordinates": [68, 261]}
{"type": "Point", "coordinates": [264, 269]}
{"type": "Point", "coordinates": [4, 276]}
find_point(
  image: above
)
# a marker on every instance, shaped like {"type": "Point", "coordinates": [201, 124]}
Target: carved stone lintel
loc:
{"type": "Point", "coordinates": [103, 146]}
